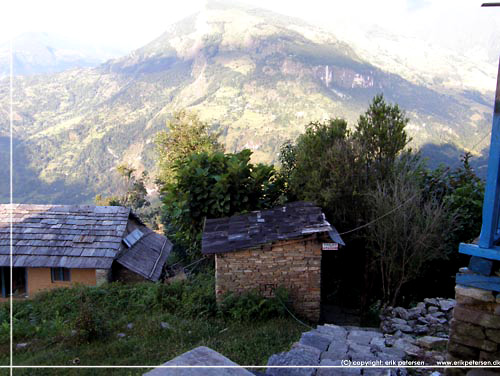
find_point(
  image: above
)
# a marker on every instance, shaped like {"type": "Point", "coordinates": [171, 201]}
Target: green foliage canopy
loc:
{"type": "Point", "coordinates": [213, 185]}
{"type": "Point", "coordinates": [186, 134]}
{"type": "Point", "coordinates": [381, 133]}
{"type": "Point", "coordinates": [135, 195]}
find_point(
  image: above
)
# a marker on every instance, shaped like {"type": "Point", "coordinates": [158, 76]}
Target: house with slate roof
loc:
{"type": "Point", "coordinates": [61, 245]}
{"type": "Point", "coordinates": [280, 247]}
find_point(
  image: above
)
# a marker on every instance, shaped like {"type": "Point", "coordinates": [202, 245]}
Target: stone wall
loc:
{"type": "Point", "coordinates": [122, 274]}
{"type": "Point", "coordinates": [102, 276]}
{"type": "Point", "coordinates": [295, 265]}
{"type": "Point", "coordinates": [475, 328]}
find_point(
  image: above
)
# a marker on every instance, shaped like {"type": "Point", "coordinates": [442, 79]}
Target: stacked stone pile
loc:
{"type": "Point", "coordinates": [429, 318]}
{"type": "Point", "coordinates": [475, 328]}
{"type": "Point", "coordinates": [332, 345]}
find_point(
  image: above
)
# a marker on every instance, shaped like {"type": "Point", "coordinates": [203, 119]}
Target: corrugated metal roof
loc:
{"type": "Point", "coordinates": [78, 236]}
{"type": "Point", "coordinates": [293, 220]}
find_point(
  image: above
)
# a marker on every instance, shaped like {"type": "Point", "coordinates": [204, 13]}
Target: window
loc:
{"type": "Point", "coordinates": [60, 274]}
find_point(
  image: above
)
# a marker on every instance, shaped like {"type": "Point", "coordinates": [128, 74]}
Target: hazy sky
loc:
{"type": "Point", "coordinates": [129, 24]}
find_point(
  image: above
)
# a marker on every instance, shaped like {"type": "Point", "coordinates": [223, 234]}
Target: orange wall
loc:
{"type": "Point", "coordinates": [40, 279]}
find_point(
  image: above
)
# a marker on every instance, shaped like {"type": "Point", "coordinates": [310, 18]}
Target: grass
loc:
{"type": "Point", "coordinates": [82, 324]}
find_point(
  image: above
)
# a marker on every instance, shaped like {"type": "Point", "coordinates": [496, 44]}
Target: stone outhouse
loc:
{"type": "Point", "coordinates": [280, 247]}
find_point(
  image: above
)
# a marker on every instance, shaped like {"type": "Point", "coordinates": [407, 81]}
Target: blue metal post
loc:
{"type": "Point", "coordinates": [492, 193]}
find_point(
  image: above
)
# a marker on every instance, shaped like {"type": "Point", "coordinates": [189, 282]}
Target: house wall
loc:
{"type": "Point", "coordinates": [475, 328]}
{"type": "Point", "coordinates": [122, 274]}
{"type": "Point", "coordinates": [295, 265]}
{"type": "Point", "coordinates": [39, 279]}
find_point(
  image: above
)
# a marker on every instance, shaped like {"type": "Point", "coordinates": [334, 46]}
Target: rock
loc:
{"type": "Point", "coordinates": [390, 341]}
{"type": "Point", "coordinates": [200, 356]}
{"type": "Point", "coordinates": [432, 343]}
{"type": "Point", "coordinates": [431, 320]}
{"type": "Point", "coordinates": [431, 302]}
{"type": "Point", "coordinates": [377, 344]}
{"type": "Point", "coordinates": [336, 350]}
{"type": "Point", "coordinates": [414, 313]}
{"type": "Point", "coordinates": [121, 335]}
{"type": "Point", "coordinates": [362, 337]}
{"type": "Point", "coordinates": [421, 329]}
{"type": "Point", "coordinates": [313, 351]}
{"type": "Point", "coordinates": [468, 330]}
{"type": "Point", "coordinates": [438, 314]}
{"type": "Point", "coordinates": [409, 348]}
{"type": "Point", "coordinates": [387, 327]}
{"type": "Point", "coordinates": [396, 320]}
{"type": "Point", "coordinates": [432, 309]}
{"type": "Point", "coordinates": [422, 320]}
{"type": "Point", "coordinates": [442, 335]}
{"type": "Point", "coordinates": [359, 352]}
{"type": "Point", "coordinates": [471, 292]}
{"type": "Point", "coordinates": [334, 331]}
{"type": "Point", "coordinates": [493, 334]}
{"type": "Point", "coordinates": [165, 325]}
{"type": "Point", "coordinates": [401, 313]}
{"type": "Point", "coordinates": [391, 353]}
{"type": "Point", "coordinates": [398, 334]}
{"type": "Point", "coordinates": [294, 357]}
{"type": "Point", "coordinates": [130, 325]}
{"type": "Point", "coordinates": [447, 304]}
{"type": "Point", "coordinates": [22, 345]}
{"type": "Point", "coordinates": [404, 328]}
{"type": "Point", "coordinates": [433, 357]}
{"type": "Point", "coordinates": [376, 372]}
{"type": "Point", "coordinates": [336, 371]}
{"type": "Point", "coordinates": [481, 372]}
{"type": "Point", "coordinates": [315, 339]}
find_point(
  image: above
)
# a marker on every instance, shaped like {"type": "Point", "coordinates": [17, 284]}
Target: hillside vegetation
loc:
{"type": "Point", "coordinates": [256, 77]}
{"type": "Point", "coordinates": [142, 324]}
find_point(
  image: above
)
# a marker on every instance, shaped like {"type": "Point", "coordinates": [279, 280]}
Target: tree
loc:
{"type": "Point", "coordinates": [135, 195]}
{"type": "Point", "coordinates": [214, 185]}
{"type": "Point", "coordinates": [381, 133]}
{"type": "Point", "coordinates": [323, 167]}
{"type": "Point", "coordinates": [186, 134]}
{"type": "Point", "coordinates": [407, 231]}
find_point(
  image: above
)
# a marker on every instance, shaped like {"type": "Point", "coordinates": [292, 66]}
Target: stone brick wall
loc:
{"type": "Point", "coordinates": [122, 274]}
{"type": "Point", "coordinates": [475, 327]}
{"type": "Point", "coordinates": [102, 276]}
{"type": "Point", "coordinates": [295, 265]}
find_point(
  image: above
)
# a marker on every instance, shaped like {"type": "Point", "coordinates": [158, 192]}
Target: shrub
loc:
{"type": "Point", "coordinates": [90, 325]}
{"type": "Point", "coordinates": [252, 306]}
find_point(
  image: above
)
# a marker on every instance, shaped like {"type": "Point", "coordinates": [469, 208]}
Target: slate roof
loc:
{"type": "Point", "coordinates": [72, 236]}
{"type": "Point", "coordinates": [148, 255]}
{"type": "Point", "coordinates": [290, 221]}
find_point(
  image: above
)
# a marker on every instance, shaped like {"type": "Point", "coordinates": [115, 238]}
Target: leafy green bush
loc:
{"type": "Point", "coordinates": [89, 324]}
{"type": "Point", "coordinates": [252, 306]}
{"type": "Point", "coordinates": [215, 185]}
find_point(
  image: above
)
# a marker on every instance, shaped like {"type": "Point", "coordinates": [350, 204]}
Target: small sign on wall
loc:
{"type": "Point", "coordinates": [330, 246]}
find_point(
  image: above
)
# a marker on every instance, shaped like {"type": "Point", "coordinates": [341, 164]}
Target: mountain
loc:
{"type": "Point", "coordinates": [40, 53]}
{"type": "Point", "coordinates": [256, 76]}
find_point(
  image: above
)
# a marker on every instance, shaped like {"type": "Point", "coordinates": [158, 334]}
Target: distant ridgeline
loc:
{"type": "Point", "coordinates": [258, 77]}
